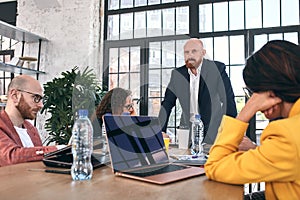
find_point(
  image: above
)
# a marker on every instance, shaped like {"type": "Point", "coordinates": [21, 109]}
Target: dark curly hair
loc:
{"type": "Point", "coordinates": [112, 102]}
{"type": "Point", "coordinates": [275, 67]}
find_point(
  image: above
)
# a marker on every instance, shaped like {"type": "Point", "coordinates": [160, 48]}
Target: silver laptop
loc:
{"type": "Point", "coordinates": [137, 151]}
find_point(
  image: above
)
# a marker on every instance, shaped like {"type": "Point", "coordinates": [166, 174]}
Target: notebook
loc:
{"type": "Point", "coordinates": [137, 151]}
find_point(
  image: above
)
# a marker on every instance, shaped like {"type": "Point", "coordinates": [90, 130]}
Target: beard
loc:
{"type": "Point", "coordinates": [188, 64]}
{"type": "Point", "coordinates": [26, 110]}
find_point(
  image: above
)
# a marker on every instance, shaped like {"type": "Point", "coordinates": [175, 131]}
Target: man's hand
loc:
{"type": "Point", "coordinates": [166, 136]}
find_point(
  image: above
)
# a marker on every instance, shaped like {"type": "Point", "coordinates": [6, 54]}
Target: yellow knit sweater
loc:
{"type": "Point", "coordinates": [276, 161]}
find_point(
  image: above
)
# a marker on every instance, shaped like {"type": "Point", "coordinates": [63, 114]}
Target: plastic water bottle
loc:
{"type": "Point", "coordinates": [103, 149]}
{"type": "Point", "coordinates": [197, 136]}
{"type": "Point", "coordinates": [82, 147]}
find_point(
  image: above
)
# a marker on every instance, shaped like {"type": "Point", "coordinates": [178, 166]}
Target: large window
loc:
{"type": "Point", "coordinates": [144, 42]}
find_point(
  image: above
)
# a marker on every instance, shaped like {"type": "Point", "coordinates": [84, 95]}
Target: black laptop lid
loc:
{"type": "Point", "coordinates": [134, 141]}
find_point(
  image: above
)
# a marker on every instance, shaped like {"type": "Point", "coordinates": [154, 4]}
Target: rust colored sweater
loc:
{"type": "Point", "coordinates": [11, 148]}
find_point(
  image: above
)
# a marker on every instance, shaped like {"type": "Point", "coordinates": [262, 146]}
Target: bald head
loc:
{"type": "Point", "coordinates": [195, 41]}
{"type": "Point", "coordinates": [25, 82]}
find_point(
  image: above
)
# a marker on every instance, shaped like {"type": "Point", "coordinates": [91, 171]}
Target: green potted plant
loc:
{"type": "Point", "coordinates": [64, 96]}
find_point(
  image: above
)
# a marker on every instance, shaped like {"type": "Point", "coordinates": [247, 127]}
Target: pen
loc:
{"type": "Point", "coordinates": [58, 171]}
{"type": "Point", "coordinates": [174, 157]}
{"type": "Point", "coordinates": [52, 171]}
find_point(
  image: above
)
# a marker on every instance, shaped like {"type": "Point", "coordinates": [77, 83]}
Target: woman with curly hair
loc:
{"type": "Point", "coordinates": [117, 101]}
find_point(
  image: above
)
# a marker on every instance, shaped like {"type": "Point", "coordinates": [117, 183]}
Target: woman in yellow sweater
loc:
{"type": "Point", "coordinates": [273, 75]}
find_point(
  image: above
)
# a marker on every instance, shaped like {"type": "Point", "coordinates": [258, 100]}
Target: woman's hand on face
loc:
{"type": "Point", "coordinates": [265, 102]}
{"type": "Point", "coordinates": [273, 112]}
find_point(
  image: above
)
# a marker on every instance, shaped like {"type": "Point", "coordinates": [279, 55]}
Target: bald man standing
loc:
{"type": "Point", "coordinates": [19, 139]}
{"type": "Point", "coordinates": [203, 87]}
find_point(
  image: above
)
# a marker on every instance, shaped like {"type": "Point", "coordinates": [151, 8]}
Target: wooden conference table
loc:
{"type": "Point", "coordinates": [18, 182]}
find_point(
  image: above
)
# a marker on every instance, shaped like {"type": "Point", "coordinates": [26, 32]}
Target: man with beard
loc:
{"type": "Point", "coordinates": [19, 139]}
{"type": "Point", "coordinates": [202, 87]}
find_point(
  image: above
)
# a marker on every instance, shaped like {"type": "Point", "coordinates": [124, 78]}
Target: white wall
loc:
{"type": "Point", "coordinates": [73, 30]}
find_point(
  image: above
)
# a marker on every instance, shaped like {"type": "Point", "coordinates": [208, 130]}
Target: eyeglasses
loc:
{"type": "Point", "coordinates": [36, 97]}
{"type": "Point", "coordinates": [248, 92]}
{"type": "Point", "coordinates": [129, 106]}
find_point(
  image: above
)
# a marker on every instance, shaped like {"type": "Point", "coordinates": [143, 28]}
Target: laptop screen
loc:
{"type": "Point", "coordinates": [134, 141]}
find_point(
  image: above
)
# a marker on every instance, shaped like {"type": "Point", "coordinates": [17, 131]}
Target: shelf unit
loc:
{"type": "Point", "coordinates": [18, 70]}
{"type": "Point", "coordinates": [23, 36]}
{"type": "Point", "coordinates": [17, 34]}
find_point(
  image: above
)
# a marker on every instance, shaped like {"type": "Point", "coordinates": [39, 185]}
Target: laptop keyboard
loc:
{"type": "Point", "coordinates": [156, 170]}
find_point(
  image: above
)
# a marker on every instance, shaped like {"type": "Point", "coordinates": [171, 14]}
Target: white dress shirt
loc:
{"type": "Point", "coordinates": [194, 92]}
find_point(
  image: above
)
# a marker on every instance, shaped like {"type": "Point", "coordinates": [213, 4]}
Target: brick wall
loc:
{"type": "Point", "coordinates": [73, 30]}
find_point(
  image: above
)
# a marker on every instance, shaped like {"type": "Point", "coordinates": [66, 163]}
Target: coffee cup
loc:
{"type": "Point", "coordinates": [183, 138]}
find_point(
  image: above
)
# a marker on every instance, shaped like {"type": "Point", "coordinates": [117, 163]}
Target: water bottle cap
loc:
{"type": "Point", "coordinates": [83, 112]}
{"type": "Point", "coordinates": [197, 116]}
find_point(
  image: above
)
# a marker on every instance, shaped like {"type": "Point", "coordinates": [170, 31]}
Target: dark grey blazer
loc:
{"type": "Point", "coordinates": [215, 99]}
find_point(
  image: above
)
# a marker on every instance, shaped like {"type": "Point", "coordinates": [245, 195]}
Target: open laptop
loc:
{"type": "Point", "coordinates": [137, 151]}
